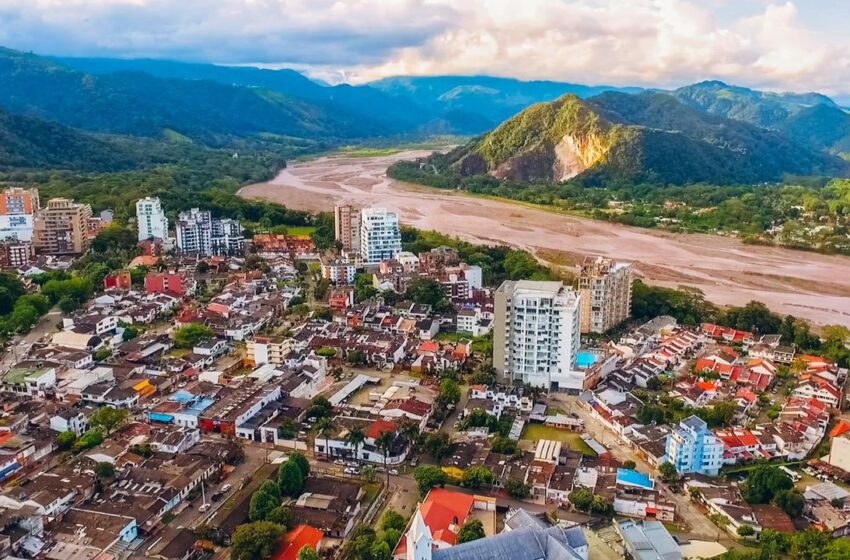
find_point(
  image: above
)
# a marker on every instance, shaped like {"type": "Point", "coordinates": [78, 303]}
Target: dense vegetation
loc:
{"type": "Point", "coordinates": [630, 139]}
{"type": "Point", "coordinates": [811, 118]}
{"type": "Point", "coordinates": [193, 176]}
{"type": "Point", "coordinates": [805, 214]}
{"type": "Point", "coordinates": [806, 545]}
{"type": "Point", "coordinates": [139, 104]}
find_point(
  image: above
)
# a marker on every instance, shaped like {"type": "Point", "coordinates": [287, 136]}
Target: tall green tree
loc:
{"type": "Point", "coordinates": [255, 541]}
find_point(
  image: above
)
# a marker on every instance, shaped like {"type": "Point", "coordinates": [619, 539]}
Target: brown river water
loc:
{"type": "Point", "coordinates": [807, 285]}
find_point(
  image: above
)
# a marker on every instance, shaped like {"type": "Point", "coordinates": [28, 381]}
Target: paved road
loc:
{"type": "Point", "coordinates": [19, 345]}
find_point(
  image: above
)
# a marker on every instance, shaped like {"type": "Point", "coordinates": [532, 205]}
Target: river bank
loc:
{"type": "Point", "coordinates": [729, 272]}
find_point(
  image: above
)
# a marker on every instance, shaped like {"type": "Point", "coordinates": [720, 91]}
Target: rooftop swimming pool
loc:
{"type": "Point", "coordinates": [586, 359]}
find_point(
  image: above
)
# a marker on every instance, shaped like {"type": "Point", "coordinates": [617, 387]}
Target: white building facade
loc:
{"type": "Point", "coordinates": [194, 232]}
{"type": "Point", "coordinates": [537, 334]}
{"type": "Point", "coordinates": [380, 236]}
{"type": "Point", "coordinates": [151, 219]}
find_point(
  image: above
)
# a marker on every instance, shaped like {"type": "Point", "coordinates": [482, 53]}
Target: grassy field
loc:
{"type": "Point", "coordinates": [535, 432]}
{"type": "Point", "coordinates": [366, 151]}
{"type": "Point", "coordinates": [480, 344]}
{"type": "Point", "coordinates": [304, 230]}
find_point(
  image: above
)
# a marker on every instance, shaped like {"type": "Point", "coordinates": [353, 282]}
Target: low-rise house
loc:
{"type": "Point", "coordinates": [329, 505]}
{"type": "Point", "coordinates": [70, 419]}
{"type": "Point", "coordinates": [338, 445]}
{"type": "Point", "coordinates": [31, 378]}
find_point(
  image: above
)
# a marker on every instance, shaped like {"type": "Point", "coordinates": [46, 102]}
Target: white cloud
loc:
{"type": "Point", "coordinates": [639, 42]}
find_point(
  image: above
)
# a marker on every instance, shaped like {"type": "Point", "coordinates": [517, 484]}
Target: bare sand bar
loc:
{"type": "Point", "coordinates": [808, 285]}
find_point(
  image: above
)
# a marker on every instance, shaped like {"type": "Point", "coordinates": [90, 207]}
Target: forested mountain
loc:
{"type": "Point", "coordinates": [640, 138]}
{"type": "Point", "coordinates": [394, 114]}
{"type": "Point", "coordinates": [484, 98]}
{"type": "Point", "coordinates": [809, 118]}
{"type": "Point", "coordinates": [139, 104]}
{"type": "Point", "coordinates": [29, 143]}
{"type": "Point", "coordinates": [439, 104]}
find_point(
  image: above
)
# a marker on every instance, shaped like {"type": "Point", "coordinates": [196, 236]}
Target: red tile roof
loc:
{"type": "Point", "coordinates": [841, 428]}
{"type": "Point", "coordinates": [443, 508]}
{"type": "Point", "coordinates": [296, 539]}
{"type": "Point", "coordinates": [378, 427]}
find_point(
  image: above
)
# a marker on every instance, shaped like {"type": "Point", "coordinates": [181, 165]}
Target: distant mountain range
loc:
{"type": "Point", "coordinates": [708, 131]}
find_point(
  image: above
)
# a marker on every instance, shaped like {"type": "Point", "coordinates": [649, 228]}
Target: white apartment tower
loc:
{"type": "Point", "coordinates": [606, 294]}
{"type": "Point", "coordinates": [347, 227]}
{"type": "Point", "coordinates": [194, 232]}
{"type": "Point", "coordinates": [380, 236]}
{"type": "Point", "coordinates": [151, 219]}
{"type": "Point", "coordinates": [536, 334]}
{"type": "Point", "coordinates": [227, 237]}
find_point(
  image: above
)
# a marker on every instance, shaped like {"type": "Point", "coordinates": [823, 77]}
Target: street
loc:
{"type": "Point", "coordinates": [19, 345]}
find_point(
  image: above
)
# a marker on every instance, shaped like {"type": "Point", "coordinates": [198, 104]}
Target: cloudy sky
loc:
{"type": "Point", "coordinates": [781, 45]}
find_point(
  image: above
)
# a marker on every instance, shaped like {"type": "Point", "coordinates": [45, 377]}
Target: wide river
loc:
{"type": "Point", "coordinates": [808, 285]}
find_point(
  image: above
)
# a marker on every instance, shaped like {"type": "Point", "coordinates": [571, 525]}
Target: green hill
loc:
{"type": "Point", "coordinates": [29, 143]}
{"type": "Point", "coordinates": [641, 138]}
{"type": "Point", "coordinates": [139, 104]}
{"type": "Point", "coordinates": [809, 118]}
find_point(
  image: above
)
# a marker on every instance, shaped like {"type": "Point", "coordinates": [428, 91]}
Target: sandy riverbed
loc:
{"type": "Point", "coordinates": [816, 287]}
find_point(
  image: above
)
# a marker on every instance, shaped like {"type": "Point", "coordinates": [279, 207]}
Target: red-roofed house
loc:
{"type": "Point", "coordinates": [339, 446]}
{"type": "Point", "coordinates": [296, 539]}
{"type": "Point", "coordinates": [820, 389]}
{"type": "Point", "coordinates": [174, 283]}
{"type": "Point", "coordinates": [444, 512]}
{"type": "Point", "coordinates": [412, 408]}
{"type": "Point", "coordinates": [840, 429]}
{"type": "Point", "coordinates": [378, 427]}
{"type": "Point", "coordinates": [740, 445]}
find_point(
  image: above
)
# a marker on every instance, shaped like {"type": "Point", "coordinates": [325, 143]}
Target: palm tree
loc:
{"type": "Point", "coordinates": [410, 431]}
{"type": "Point", "coordinates": [325, 428]}
{"type": "Point", "coordinates": [385, 442]}
{"type": "Point", "coordinates": [355, 439]}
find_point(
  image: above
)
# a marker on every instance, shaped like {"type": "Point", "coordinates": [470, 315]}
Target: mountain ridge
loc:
{"type": "Point", "coordinates": [646, 137]}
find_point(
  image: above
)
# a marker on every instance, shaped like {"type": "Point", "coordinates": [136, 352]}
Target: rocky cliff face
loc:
{"type": "Point", "coordinates": [575, 154]}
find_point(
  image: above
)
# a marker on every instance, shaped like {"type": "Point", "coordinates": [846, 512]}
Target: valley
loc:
{"type": "Point", "coordinates": [807, 285]}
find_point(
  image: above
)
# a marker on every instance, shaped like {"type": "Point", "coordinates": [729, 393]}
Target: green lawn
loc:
{"type": "Point", "coordinates": [303, 230]}
{"type": "Point", "coordinates": [535, 432]}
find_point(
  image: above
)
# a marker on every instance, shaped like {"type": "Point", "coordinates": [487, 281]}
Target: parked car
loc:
{"type": "Point", "coordinates": [204, 508]}
{"type": "Point", "coordinates": [226, 488]}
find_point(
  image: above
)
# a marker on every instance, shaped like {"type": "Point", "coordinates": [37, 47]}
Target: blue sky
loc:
{"type": "Point", "coordinates": [780, 45]}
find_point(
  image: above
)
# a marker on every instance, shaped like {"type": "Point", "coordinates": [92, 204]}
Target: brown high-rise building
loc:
{"type": "Point", "coordinates": [347, 227]}
{"type": "Point", "coordinates": [61, 228]}
{"type": "Point", "coordinates": [606, 294]}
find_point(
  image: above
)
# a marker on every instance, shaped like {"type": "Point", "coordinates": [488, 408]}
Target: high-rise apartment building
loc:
{"type": "Point", "coordinates": [194, 231]}
{"type": "Point", "coordinates": [536, 334]}
{"type": "Point", "coordinates": [227, 237]}
{"type": "Point", "coordinates": [606, 294]}
{"type": "Point", "coordinates": [199, 233]}
{"type": "Point", "coordinates": [61, 228]}
{"type": "Point", "coordinates": [380, 236]}
{"type": "Point", "coordinates": [151, 219]}
{"type": "Point", "coordinates": [17, 213]}
{"type": "Point", "coordinates": [347, 227]}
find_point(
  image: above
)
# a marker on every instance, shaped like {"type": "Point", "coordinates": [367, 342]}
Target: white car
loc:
{"type": "Point", "coordinates": [204, 508]}
{"type": "Point", "coordinates": [226, 488]}
{"type": "Point", "coordinates": [394, 472]}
